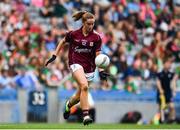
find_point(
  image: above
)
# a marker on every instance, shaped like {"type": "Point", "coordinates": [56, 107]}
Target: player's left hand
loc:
{"type": "Point", "coordinates": [103, 75]}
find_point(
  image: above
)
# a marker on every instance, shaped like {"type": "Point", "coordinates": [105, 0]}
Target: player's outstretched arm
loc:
{"type": "Point", "coordinates": [174, 85]}
{"type": "Point", "coordinates": [159, 87]}
{"type": "Point", "coordinates": [57, 52]}
{"type": "Point", "coordinates": [60, 45]}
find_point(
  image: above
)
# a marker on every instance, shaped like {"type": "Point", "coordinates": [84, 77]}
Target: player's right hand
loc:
{"type": "Point", "coordinates": [51, 59]}
{"type": "Point", "coordinates": [161, 92]}
{"type": "Point", "coordinates": [103, 75]}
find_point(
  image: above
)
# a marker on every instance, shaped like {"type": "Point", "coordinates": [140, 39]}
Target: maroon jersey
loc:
{"type": "Point", "coordinates": [82, 49]}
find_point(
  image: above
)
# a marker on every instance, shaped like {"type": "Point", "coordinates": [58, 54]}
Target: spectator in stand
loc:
{"type": "Point", "coordinates": [27, 80]}
{"type": "Point", "coordinates": [59, 9]}
{"type": "Point", "coordinates": [47, 9]}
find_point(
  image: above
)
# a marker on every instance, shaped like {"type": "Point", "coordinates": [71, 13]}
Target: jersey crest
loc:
{"type": "Point", "coordinates": [91, 44]}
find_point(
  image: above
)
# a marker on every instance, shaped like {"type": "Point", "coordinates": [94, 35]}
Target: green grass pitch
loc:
{"type": "Point", "coordinates": [73, 126]}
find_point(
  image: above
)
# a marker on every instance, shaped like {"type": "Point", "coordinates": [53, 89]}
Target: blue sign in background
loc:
{"type": "Point", "coordinates": [37, 106]}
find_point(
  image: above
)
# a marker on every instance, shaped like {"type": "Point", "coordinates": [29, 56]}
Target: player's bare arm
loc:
{"type": "Point", "coordinates": [59, 47]}
{"type": "Point", "coordinates": [159, 87]}
{"type": "Point", "coordinates": [174, 84]}
{"type": "Point", "coordinates": [57, 51]}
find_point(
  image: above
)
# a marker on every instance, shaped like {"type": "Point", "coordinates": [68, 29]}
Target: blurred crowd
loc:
{"type": "Point", "coordinates": [136, 34]}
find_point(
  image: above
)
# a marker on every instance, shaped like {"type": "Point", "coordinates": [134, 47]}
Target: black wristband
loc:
{"type": "Point", "coordinates": [53, 57]}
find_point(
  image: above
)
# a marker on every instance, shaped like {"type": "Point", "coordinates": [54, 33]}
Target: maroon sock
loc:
{"type": "Point", "coordinates": [85, 112]}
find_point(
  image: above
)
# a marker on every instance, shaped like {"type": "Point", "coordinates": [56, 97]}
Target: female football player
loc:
{"type": "Point", "coordinates": [84, 46]}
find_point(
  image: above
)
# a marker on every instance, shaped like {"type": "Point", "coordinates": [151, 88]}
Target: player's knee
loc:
{"type": "Point", "coordinates": [84, 87]}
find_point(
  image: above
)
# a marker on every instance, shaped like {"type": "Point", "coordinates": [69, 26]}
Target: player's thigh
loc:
{"type": "Point", "coordinates": [80, 78]}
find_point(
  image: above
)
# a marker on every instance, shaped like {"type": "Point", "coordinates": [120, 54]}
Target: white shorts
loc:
{"type": "Point", "coordinates": [74, 67]}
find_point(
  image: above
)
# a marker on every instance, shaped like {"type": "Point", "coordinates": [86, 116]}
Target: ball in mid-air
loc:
{"type": "Point", "coordinates": [102, 61]}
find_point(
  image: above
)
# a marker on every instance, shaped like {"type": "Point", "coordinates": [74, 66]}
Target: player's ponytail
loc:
{"type": "Point", "coordinates": [78, 15]}
{"type": "Point", "coordinates": [84, 15]}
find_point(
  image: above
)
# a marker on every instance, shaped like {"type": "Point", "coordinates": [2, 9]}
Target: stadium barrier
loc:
{"type": "Point", "coordinates": [49, 105]}
{"type": "Point", "coordinates": [9, 112]}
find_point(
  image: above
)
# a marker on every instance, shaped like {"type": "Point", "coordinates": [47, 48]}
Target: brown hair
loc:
{"type": "Point", "coordinates": [84, 15]}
